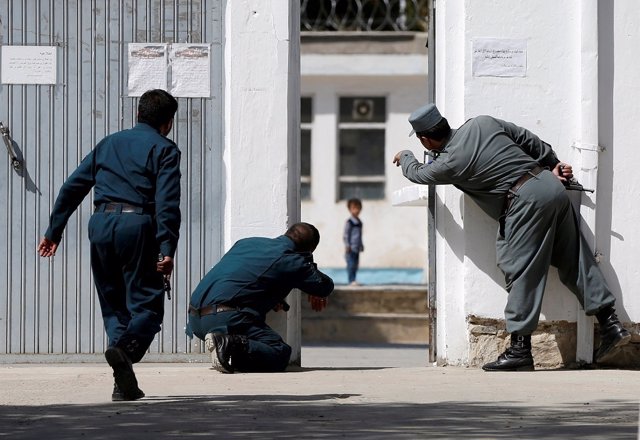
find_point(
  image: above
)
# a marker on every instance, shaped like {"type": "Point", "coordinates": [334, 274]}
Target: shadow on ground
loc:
{"type": "Point", "coordinates": [317, 416]}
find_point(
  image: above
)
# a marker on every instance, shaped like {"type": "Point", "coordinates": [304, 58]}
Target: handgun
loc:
{"type": "Point", "coordinates": [165, 279]}
{"type": "Point", "coordinates": [574, 185]}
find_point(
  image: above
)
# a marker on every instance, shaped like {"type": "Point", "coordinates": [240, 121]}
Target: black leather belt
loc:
{"type": "Point", "coordinates": [121, 208]}
{"type": "Point", "coordinates": [516, 186]}
{"type": "Point", "coordinates": [526, 176]}
{"type": "Point", "coordinates": [210, 310]}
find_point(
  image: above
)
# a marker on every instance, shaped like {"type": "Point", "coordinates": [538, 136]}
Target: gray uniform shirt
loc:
{"type": "Point", "coordinates": [483, 158]}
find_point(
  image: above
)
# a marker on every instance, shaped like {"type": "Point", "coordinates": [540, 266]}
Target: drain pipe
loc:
{"type": "Point", "coordinates": [431, 199]}
{"type": "Point", "coordinates": [588, 152]}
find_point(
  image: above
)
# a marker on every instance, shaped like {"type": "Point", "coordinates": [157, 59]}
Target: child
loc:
{"type": "Point", "coordinates": [353, 239]}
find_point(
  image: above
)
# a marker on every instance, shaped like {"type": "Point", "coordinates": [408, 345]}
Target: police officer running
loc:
{"type": "Point", "coordinates": [135, 174]}
{"type": "Point", "coordinates": [517, 179]}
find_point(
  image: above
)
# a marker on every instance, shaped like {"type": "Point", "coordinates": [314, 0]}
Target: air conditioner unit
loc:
{"type": "Point", "coordinates": [362, 110]}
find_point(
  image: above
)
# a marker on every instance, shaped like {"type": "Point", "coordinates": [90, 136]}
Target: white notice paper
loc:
{"type": "Point", "coordinates": [147, 67]}
{"type": "Point", "coordinates": [499, 57]}
{"type": "Point", "coordinates": [28, 64]}
{"type": "Point", "coordinates": [190, 70]}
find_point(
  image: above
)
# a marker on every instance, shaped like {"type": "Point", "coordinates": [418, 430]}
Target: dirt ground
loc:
{"type": "Point", "coordinates": [332, 396]}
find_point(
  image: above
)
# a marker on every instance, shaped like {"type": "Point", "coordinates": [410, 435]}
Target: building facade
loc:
{"type": "Point", "coordinates": [362, 74]}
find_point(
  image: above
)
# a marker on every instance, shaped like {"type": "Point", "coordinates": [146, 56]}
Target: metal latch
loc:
{"type": "Point", "coordinates": [6, 136]}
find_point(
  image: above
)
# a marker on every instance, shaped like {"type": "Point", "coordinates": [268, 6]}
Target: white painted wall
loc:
{"type": "Point", "coordinates": [619, 179]}
{"type": "Point", "coordinates": [259, 118]}
{"type": "Point", "coordinates": [393, 237]}
{"type": "Point", "coordinates": [551, 102]}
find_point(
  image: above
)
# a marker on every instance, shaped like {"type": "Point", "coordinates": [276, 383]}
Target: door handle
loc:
{"type": "Point", "coordinates": [8, 142]}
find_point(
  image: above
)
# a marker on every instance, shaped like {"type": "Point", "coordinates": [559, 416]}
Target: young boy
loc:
{"type": "Point", "coordinates": [352, 239]}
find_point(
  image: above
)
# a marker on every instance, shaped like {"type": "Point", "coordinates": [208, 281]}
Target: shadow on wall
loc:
{"type": "Point", "coordinates": [378, 277]}
{"type": "Point", "coordinates": [304, 416]}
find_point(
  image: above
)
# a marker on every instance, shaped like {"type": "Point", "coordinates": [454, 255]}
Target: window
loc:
{"type": "Point", "coordinates": [306, 118]}
{"type": "Point", "coordinates": [361, 128]}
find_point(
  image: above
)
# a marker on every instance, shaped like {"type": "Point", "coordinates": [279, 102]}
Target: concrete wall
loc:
{"type": "Point", "coordinates": [619, 134]}
{"type": "Point", "coordinates": [553, 100]}
{"type": "Point", "coordinates": [262, 128]}
{"type": "Point", "coordinates": [393, 237]}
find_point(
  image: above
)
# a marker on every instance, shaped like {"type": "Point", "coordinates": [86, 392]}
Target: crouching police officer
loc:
{"type": "Point", "coordinates": [229, 307]}
{"type": "Point", "coordinates": [135, 174]}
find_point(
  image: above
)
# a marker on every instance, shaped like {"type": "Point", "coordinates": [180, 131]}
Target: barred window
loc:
{"type": "Point", "coordinates": [361, 132]}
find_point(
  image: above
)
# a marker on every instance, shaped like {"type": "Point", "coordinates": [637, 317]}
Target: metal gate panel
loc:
{"type": "Point", "coordinates": [50, 306]}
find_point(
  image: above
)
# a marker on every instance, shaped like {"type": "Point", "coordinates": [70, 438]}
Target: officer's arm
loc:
{"type": "Point", "coordinates": [435, 172]}
{"type": "Point", "coordinates": [73, 191]}
{"type": "Point", "coordinates": [309, 279]}
{"type": "Point", "coordinates": [531, 144]}
{"type": "Point", "coordinates": [167, 200]}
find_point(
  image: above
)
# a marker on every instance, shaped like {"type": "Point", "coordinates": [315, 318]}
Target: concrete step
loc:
{"type": "Point", "coordinates": [369, 314]}
{"type": "Point", "coordinates": [367, 328]}
{"type": "Point", "coordinates": [378, 299]}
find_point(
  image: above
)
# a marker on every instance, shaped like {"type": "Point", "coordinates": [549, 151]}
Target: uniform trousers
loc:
{"type": "Point", "coordinates": [124, 254]}
{"type": "Point", "coordinates": [540, 228]}
{"type": "Point", "coordinates": [266, 352]}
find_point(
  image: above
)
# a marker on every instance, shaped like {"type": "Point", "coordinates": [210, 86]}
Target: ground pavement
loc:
{"type": "Point", "coordinates": [386, 392]}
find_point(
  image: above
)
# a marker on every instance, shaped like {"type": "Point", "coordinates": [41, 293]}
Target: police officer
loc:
{"type": "Point", "coordinates": [133, 232]}
{"type": "Point", "coordinates": [229, 307]}
{"type": "Point", "coordinates": [517, 179]}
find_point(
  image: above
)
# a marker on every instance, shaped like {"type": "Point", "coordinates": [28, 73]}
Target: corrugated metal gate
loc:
{"type": "Point", "coordinates": [50, 306]}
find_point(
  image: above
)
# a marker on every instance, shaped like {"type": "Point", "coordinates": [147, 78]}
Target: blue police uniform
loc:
{"type": "Point", "coordinates": [135, 174]}
{"type": "Point", "coordinates": [252, 278]}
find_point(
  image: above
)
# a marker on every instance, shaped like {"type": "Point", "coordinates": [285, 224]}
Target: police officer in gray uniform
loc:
{"type": "Point", "coordinates": [517, 179]}
{"type": "Point", "coordinates": [133, 232]}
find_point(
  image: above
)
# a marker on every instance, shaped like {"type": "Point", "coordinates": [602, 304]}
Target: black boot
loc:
{"type": "Point", "coordinates": [515, 358]}
{"type": "Point", "coordinates": [223, 347]}
{"type": "Point", "coordinates": [125, 379]}
{"type": "Point", "coordinates": [612, 334]}
{"type": "Point", "coordinates": [119, 396]}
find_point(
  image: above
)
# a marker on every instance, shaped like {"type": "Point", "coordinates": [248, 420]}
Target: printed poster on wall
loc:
{"type": "Point", "coordinates": [147, 67]}
{"type": "Point", "coordinates": [190, 76]}
{"type": "Point", "coordinates": [499, 57]}
{"type": "Point", "coordinates": [29, 64]}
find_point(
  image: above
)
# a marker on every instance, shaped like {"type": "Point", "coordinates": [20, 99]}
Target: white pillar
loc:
{"type": "Point", "coordinates": [451, 272]}
{"type": "Point", "coordinates": [262, 129]}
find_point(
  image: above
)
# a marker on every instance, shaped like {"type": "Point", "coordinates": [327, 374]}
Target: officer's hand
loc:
{"type": "Point", "coordinates": [47, 248]}
{"type": "Point", "coordinates": [563, 171]}
{"type": "Point", "coordinates": [165, 266]}
{"type": "Point", "coordinates": [317, 303]}
{"type": "Point", "coordinates": [396, 158]}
